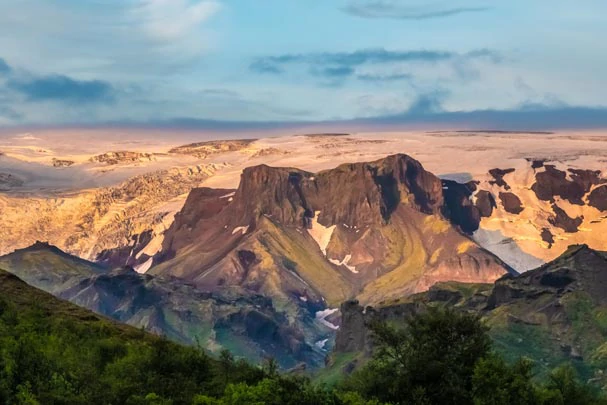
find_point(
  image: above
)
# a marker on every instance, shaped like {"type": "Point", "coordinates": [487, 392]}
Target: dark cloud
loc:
{"type": "Point", "coordinates": [332, 64]}
{"type": "Point", "coordinates": [7, 112]}
{"type": "Point", "coordinates": [526, 117]}
{"type": "Point", "coordinates": [425, 112]}
{"type": "Point", "coordinates": [266, 66]}
{"type": "Point", "coordinates": [62, 88]}
{"type": "Point", "coordinates": [336, 72]}
{"type": "Point", "coordinates": [393, 9]}
{"type": "Point", "coordinates": [4, 67]}
{"type": "Point", "coordinates": [394, 77]}
{"type": "Point", "coordinates": [428, 103]}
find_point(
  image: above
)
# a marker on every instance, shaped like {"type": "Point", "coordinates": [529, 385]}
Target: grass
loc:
{"type": "Point", "coordinates": [22, 296]}
{"type": "Point", "coordinates": [291, 246]}
{"type": "Point", "coordinates": [334, 372]}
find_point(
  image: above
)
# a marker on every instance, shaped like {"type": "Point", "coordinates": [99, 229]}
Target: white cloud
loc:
{"type": "Point", "coordinates": [114, 39]}
{"type": "Point", "coordinates": [170, 20]}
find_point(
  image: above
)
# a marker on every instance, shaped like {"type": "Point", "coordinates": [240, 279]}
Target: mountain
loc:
{"type": "Point", "coordinates": [48, 267]}
{"type": "Point", "coordinates": [377, 231]}
{"type": "Point", "coordinates": [551, 314]}
{"type": "Point", "coordinates": [247, 324]}
{"type": "Point", "coordinates": [24, 297]}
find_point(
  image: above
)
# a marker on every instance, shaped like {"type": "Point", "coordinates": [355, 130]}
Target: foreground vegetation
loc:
{"type": "Point", "coordinates": [52, 352]}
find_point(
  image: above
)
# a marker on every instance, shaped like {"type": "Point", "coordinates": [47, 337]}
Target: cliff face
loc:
{"type": "Point", "coordinates": [550, 314]}
{"type": "Point", "coordinates": [360, 194]}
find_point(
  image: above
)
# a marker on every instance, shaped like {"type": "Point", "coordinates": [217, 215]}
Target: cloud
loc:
{"type": "Point", "coordinates": [4, 67]}
{"type": "Point", "coordinates": [114, 39]}
{"type": "Point", "coordinates": [397, 10]}
{"type": "Point", "coordinates": [170, 20]}
{"type": "Point", "coordinates": [336, 72]}
{"type": "Point", "coordinates": [62, 88]}
{"type": "Point", "coordinates": [539, 118]}
{"type": "Point", "coordinates": [428, 103]}
{"type": "Point", "coordinates": [266, 66]}
{"type": "Point", "coordinates": [10, 114]}
{"type": "Point", "coordinates": [273, 64]}
{"type": "Point", "coordinates": [378, 77]}
{"type": "Point", "coordinates": [332, 65]}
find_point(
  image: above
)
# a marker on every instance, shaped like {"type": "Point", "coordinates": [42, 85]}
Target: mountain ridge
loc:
{"type": "Point", "coordinates": [551, 314]}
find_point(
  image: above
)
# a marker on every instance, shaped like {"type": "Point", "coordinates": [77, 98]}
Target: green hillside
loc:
{"type": "Point", "coordinates": [53, 352]}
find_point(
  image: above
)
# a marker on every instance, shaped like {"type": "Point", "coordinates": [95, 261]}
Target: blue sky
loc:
{"type": "Point", "coordinates": [154, 61]}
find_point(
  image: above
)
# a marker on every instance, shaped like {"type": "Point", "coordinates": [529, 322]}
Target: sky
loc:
{"type": "Point", "coordinates": [540, 63]}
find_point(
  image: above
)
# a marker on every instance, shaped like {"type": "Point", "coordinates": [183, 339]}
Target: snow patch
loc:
{"type": "Point", "coordinates": [322, 315]}
{"type": "Point", "coordinates": [153, 247]}
{"type": "Point", "coordinates": [228, 195]}
{"type": "Point", "coordinates": [144, 267]}
{"type": "Point", "coordinates": [344, 263]}
{"type": "Point", "coordinates": [321, 344]}
{"type": "Point", "coordinates": [304, 299]}
{"type": "Point", "coordinates": [243, 229]}
{"type": "Point", "coordinates": [321, 234]}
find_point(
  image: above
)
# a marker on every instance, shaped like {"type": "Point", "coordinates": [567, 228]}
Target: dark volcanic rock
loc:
{"type": "Point", "coordinates": [586, 178]}
{"type": "Point", "coordinates": [458, 206]}
{"type": "Point", "coordinates": [485, 202]}
{"type": "Point", "coordinates": [355, 336]}
{"type": "Point", "coordinates": [247, 258]}
{"type": "Point", "coordinates": [547, 236]}
{"type": "Point", "coordinates": [536, 164]}
{"type": "Point", "coordinates": [554, 182]}
{"type": "Point", "coordinates": [511, 203]}
{"type": "Point", "coordinates": [564, 221]}
{"type": "Point", "coordinates": [580, 267]}
{"type": "Point", "coordinates": [598, 198]}
{"type": "Point", "coordinates": [62, 162]}
{"type": "Point", "coordinates": [498, 175]}
{"type": "Point", "coordinates": [357, 194]}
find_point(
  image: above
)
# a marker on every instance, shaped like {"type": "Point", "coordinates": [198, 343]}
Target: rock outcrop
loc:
{"type": "Point", "coordinates": [204, 149]}
{"type": "Point", "coordinates": [114, 158]}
